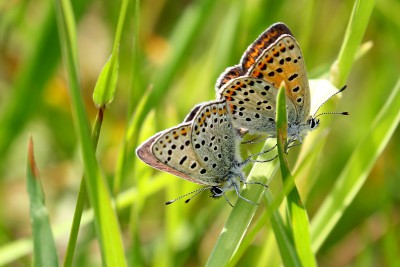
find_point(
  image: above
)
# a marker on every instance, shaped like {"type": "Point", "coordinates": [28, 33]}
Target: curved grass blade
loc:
{"type": "Point", "coordinates": [44, 248]}
{"type": "Point", "coordinates": [107, 228]}
{"type": "Point", "coordinates": [283, 237]}
{"type": "Point", "coordinates": [297, 211]}
{"type": "Point", "coordinates": [357, 169]}
{"type": "Point", "coordinates": [359, 19]}
{"type": "Point", "coordinates": [103, 95]}
{"type": "Point", "coordinates": [242, 213]}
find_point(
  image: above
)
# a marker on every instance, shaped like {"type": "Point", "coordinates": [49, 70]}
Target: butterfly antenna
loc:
{"type": "Point", "coordinates": [195, 192]}
{"type": "Point", "coordinates": [330, 113]}
{"type": "Point", "coordinates": [338, 92]}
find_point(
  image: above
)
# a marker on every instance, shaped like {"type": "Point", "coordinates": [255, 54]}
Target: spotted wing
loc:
{"type": "Point", "coordinates": [172, 151]}
{"type": "Point", "coordinates": [252, 104]}
{"type": "Point", "coordinates": [215, 141]}
{"type": "Point", "coordinates": [251, 54]}
{"type": "Point", "coordinates": [283, 61]}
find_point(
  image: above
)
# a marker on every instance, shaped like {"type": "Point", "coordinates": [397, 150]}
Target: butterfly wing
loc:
{"type": "Point", "coordinates": [214, 139]}
{"type": "Point", "coordinates": [252, 104]}
{"type": "Point", "coordinates": [283, 61]}
{"type": "Point", "coordinates": [189, 117]}
{"type": "Point", "coordinates": [172, 151]}
{"type": "Point", "coordinates": [229, 74]}
{"type": "Point", "coordinates": [252, 53]}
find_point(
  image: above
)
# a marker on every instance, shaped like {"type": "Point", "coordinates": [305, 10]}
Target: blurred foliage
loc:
{"type": "Point", "coordinates": [179, 50]}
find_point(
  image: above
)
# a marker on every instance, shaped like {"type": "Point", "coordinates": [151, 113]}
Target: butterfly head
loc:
{"type": "Point", "coordinates": [313, 122]}
{"type": "Point", "coordinates": [216, 192]}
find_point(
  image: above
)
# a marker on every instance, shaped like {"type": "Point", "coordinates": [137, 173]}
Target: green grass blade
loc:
{"type": "Point", "coordinates": [76, 222]}
{"type": "Point", "coordinates": [283, 237]}
{"type": "Point", "coordinates": [134, 105]}
{"type": "Point", "coordinates": [107, 82]}
{"type": "Point", "coordinates": [289, 255]}
{"type": "Point", "coordinates": [357, 169]}
{"type": "Point", "coordinates": [44, 248]}
{"type": "Point", "coordinates": [242, 213]}
{"type": "Point", "coordinates": [14, 250]}
{"type": "Point", "coordinates": [23, 247]}
{"type": "Point", "coordinates": [104, 90]}
{"type": "Point", "coordinates": [106, 223]}
{"type": "Point", "coordinates": [128, 147]}
{"type": "Point", "coordinates": [237, 224]}
{"type": "Point", "coordinates": [297, 211]}
{"type": "Point", "coordinates": [82, 198]}
{"type": "Point", "coordinates": [359, 20]}
{"type": "Point", "coordinates": [135, 251]}
{"type": "Point", "coordinates": [138, 79]}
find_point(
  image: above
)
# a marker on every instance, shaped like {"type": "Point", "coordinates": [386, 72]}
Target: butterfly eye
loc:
{"type": "Point", "coordinates": [216, 191]}
{"type": "Point", "coordinates": [313, 123]}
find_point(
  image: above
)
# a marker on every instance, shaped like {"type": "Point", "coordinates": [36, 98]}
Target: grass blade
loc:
{"type": "Point", "coordinates": [242, 213]}
{"type": "Point", "coordinates": [44, 248]}
{"type": "Point", "coordinates": [357, 169]}
{"type": "Point", "coordinates": [107, 82]}
{"type": "Point", "coordinates": [355, 31]}
{"type": "Point", "coordinates": [297, 211]}
{"type": "Point", "coordinates": [106, 223]}
{"type": "Point", "coordinates": [82, 198]}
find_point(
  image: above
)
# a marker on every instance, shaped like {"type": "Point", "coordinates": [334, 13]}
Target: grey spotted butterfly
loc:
{"type": "Point", "coordinates": [203, 150]}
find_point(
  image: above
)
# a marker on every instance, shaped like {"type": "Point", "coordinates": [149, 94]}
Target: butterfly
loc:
{"type": "Point", "coordinates": [203, 149]}
{"type": "Point", "coordinates": [250, 88]}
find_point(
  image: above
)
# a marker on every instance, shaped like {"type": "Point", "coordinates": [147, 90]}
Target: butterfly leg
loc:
{"type": "Point", "coordinates": [249, 158]}
{"type": "Point", "coordinates": [256, 140]}
{"type": "Point", "coordinates": [242, 179]}
{"type": "Point", "coordinates": [239, 195]}
{"type": "Point", "coordinates": [291, 142]}
{"type": "Point", "coordinates": [264, 161]}
{"type": "Point", "coordinates": [263, 152]}
{"type": "Point", "coordinates": [255, 182]}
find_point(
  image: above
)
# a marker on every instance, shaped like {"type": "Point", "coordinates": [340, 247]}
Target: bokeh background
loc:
{"type": "Point", "coordinates": [181, 60]}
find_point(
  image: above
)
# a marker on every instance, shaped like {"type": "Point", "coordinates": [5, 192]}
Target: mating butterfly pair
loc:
{"type": "Point", "coordinates": [204, 148]}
